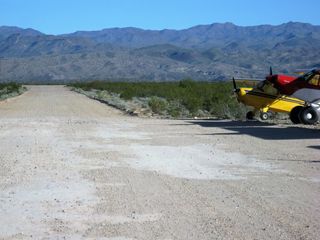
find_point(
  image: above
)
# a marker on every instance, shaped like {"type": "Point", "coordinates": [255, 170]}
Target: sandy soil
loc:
{"type": "Point", "coordinates": [73, 168]}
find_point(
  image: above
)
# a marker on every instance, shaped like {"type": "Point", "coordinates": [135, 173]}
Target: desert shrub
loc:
{"type": "Point", "coordinates": [10, 90]}
{"type": "Point", "coordinates": [157, 105]}
{"type": "Point", "coordinates": [192, 103]}
{"type": "Point", "coordinates": [127, 95]}
{"type": "Point", "coordinates": [177, 98]}
{"type": "Point", "coordinates": [175, 109]}
{"type": "Point", "coordinates": [10, 87]}
{"type": "Point", "coordinates": [174, 112]}
{"type": "Point", "coordinates": [187, 83]}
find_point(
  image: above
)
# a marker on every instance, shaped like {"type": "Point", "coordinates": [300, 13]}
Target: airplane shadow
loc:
{"type": "Point", "coordinates": [261, 130]}
{"type": "Point", "coordinates": [314, 147]}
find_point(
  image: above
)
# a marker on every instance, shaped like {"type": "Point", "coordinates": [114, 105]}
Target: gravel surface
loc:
{"type": "Point", "coordinates": [74, 168]}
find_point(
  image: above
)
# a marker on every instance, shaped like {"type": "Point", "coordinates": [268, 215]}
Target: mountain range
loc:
{"type": "Point", "coordinates": [205, 52]}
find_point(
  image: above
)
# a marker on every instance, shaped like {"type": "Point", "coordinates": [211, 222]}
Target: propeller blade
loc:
{"type": "Point", "coordinates": [234, 84]}
{"type": "Point", "coordinates": [235, 89]}
{"type": "Point", "coordinates": [271, 71]}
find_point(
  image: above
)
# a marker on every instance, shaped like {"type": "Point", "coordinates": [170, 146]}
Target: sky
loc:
{"type": "Point", "coordinates": [66, 16]}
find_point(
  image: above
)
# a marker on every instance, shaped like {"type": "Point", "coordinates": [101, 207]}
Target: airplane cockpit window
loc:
{"type": "Point", "coordinates": [267, 87]}
{"type": "Point", "coordinates": [260, 85]}
{"type": "Point", "coordinates": [315, 80]}
{"type": "Point", "coordinates": [306, 76]}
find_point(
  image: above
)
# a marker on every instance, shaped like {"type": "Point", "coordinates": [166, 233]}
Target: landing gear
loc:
{"type": "Point", "coordinates": [295, 113]}
{"type": "Point", "coordinates": [304, 115]}
{"type": "Point", "coordinates": [264, 116]}
{"type": "Point", "coordinates": [250, 115]}
{"type": "Point", "coordinates": [308, 115]}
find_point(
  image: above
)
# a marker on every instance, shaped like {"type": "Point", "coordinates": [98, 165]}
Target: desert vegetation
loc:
{"type": "Point", "coordinates": [186, 98]}
{"type": "Point", "coordinates": [10, 90]}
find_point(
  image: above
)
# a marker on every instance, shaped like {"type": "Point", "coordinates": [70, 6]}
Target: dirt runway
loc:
{"type": "Point", "coordinates": [74, 168]}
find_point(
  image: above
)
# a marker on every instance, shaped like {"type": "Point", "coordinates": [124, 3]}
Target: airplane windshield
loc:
{"type": "Point", "coordinates": [314, 80]}
{"type": "Point", "coordinates": [261, 84]}
{"type": "Point", "coordinates": [267, 87]}
{"type": "Point", "coordinates": [306, 76]}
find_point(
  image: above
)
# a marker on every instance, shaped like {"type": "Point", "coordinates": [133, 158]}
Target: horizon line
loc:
{"type": "Point", "coordinates": [162, 29]}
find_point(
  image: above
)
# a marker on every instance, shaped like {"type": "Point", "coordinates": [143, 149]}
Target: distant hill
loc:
{"type": "Point", "coordinates": [7, 31]}
{"type": "Point", "coordinates": [204, 52]}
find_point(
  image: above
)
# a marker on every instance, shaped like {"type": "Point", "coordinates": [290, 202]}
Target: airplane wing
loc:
{"type": "Point", "coordinates": [308, 95]}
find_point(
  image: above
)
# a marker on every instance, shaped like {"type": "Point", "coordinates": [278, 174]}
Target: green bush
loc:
{"type": "Point", "coordinates": [177, 98]}
{"type": "Point", "coordinates": [175, 109]}
{"type": "Point", "coordinates": [7, 88]}
{"type": "Point", "coordinates": [10, 87]}
{"type": "Point", "coordinates": [157, 105]}
{"type": "Point", "coordinates": [127, 95]}
{"type": "Point", "coordinates": [192, 103]}
{"type": "Point", "coordinates": [187, 83]}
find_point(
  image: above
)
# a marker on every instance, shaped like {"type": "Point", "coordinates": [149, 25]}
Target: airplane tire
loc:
{"type": "Point", "coordinates": [264, 116]}
{"type": "Point", "coordinates": [294, 115]}
{"type": "Point", "coordinates": [308, 116]}
{"type": "Point", "coordinates": [250, 115]}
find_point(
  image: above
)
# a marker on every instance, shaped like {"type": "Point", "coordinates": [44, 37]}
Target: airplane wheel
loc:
{"type": "Point", "coordinates": [264, 116]}
{"type": "Point", "coordinates": [294, 115]}
{"type": "Point", "coordinates": [308, 116]}
{"type": "Point", "coordinates": [250, 115]}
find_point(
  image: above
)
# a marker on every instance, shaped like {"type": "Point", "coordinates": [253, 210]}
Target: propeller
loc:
{"type": "Point", "coordinates": [271, 71]}
{"type": "Point", "coordinates": [235, 89]}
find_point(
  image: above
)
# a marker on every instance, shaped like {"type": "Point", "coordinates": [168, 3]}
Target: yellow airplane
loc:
{"type": "Point", "coordinates": [264, 98]}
